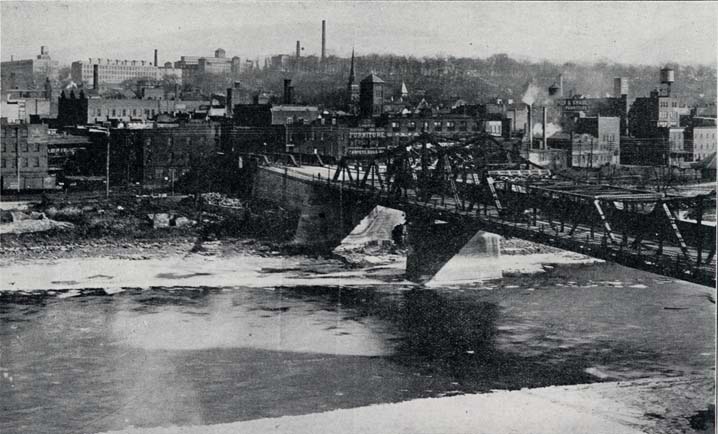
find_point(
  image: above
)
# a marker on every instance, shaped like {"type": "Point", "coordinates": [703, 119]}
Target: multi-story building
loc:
{"type": "Point", "coordinates": [594, 142]}
{"type": "Point", "coordinates": [81, 110]}
{"type": "Point", "coordinates": [29, 73]}
{"type": "Point", "coordinates": [112, 71]}
{"type": "Point", "coordinates": [661, 109]}
{"type": "Point", "coordinates": [169, 71]}
{"type": "Point", "coordinates": [24, 157]}
{"type": "Point", "coordinates": [190, 66]}
{"type": "Point", "coordinates": [159, 157]}
{"type": "Point", "coordinates": [371, 96]}
{"type": "Point", "coordinates": [701, 140]}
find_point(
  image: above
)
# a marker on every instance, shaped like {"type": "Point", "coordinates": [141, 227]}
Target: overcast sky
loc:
{"type": "Point", "coordinates": [644, 33]}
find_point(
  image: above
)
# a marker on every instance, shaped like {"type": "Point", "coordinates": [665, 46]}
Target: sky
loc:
{"type": "Point", "coordinates": [648, 33]}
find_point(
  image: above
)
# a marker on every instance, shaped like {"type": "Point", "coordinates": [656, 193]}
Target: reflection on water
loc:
{"type": "Point", "coordinates": [183, 356]}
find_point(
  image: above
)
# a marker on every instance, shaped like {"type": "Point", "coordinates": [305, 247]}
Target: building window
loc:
{"type": "Point", "coordinates": [24, 162]}
{"type": "Point", "coordinates": [450, 125]}
{"type": "Point", "coordinates": [395, 126]}
{"type": "Point", "coordinates": [99, 112]}
{"type": "Point", "coordinates": [188, 141]}
{"type": "Point", "coordinates": [169, 141]}
{"type": "Point", "coordinates": [3, 163]}
{"type": "Point", "coordinates": [425, 126]}
{"type": "Point", "coordinates": [124, 112]}
{"type": "Point", "coordinates": [24, 147]}
{"type": "Point", "coordinates": [35, 161]}
{"type": "Point", "coordinates": [134, 112]}
{"type": "Point", "coordinates": [114, 113]}
{"type": "Point", "coordinates": [411, 126]}
{"type": "Point", "coordinates": [462, 126]}
{"type": "Point", "coordinates": [437, 125]}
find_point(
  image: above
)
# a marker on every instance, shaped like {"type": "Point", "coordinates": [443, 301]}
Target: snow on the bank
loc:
{"type": "Point", "coordinates": [595, 408]}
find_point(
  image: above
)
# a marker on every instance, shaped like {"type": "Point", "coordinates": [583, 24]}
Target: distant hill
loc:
{"type": "Point", "coordinates": [444, 80]}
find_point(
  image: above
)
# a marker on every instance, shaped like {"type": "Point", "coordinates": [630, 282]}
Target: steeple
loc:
{"type": "Point", "coordinates": [352, 77]}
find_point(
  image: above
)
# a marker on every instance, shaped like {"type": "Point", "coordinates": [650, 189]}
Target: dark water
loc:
{"type": "Point", "coordinates": [187, 356]}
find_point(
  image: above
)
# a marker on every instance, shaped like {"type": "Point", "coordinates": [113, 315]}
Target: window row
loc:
{"type": "Point", "coordinates": [24, 147]}
{"type": "Point", "coordinates": [23, 162]}
{"type": "Point", "coordinates": [437, 126]}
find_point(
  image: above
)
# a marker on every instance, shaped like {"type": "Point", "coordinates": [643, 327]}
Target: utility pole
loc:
{"type": "Point", "coordinates": [17, 157]}
{"type": "Point", "coordinates": [107, 165]}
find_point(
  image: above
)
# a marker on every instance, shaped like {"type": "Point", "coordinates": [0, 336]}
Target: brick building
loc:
{"type": "Point", "coordinates": [24, 157]}
{"type": "Point", "coordinates": [157, 157]}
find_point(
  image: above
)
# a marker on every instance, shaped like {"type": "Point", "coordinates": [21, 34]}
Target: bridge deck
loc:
{"type": "Point", "coordinates": [669, 259]}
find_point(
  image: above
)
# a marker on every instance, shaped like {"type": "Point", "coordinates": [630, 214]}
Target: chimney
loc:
{"type": "Point", "coordinates": [530, 127]}
{"type": "Point", "coordinates": [287, 95]}
{"type": "Point", "coordinates": [298, 50]}
{"type": "Point", "coordinates": [560, 85]}
{"type": "Point", "coordinates": [291, 95]}
{"type": "Point", "coordinates": [156, 57]}
{"type": "Point", "coordinates": [324, 40]}
{"type": "Point", "coordinates": [229, 105]}
{"type": "Point", "coordinates": [95, 76]}
{"type": "Point", "coordinates": [12, 58]}
{"type": "Point", "coordinates": [545, 138]}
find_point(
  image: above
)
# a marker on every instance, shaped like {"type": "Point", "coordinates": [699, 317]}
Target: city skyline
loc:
{"type": "Point", "coordinates": [417, 29]}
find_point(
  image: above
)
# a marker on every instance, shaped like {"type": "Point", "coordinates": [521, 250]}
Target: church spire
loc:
{"type": "Point", "coordinates": [352, 77]}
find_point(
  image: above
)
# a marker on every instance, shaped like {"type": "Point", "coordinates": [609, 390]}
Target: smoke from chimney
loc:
{"type": "Point", "coordinates": [324, 39]}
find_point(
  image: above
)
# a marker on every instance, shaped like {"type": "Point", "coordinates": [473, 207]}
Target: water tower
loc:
{"type": "Point", "coordinates": [668, 76]}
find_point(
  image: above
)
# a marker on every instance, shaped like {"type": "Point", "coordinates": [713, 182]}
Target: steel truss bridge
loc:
{"type": "Point", "coordinates": [489, 184]}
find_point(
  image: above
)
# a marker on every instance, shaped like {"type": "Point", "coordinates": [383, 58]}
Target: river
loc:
{"type": "Point", "coordinates": [166, 356]}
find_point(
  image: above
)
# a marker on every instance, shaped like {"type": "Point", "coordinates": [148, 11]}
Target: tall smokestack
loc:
{"type": "Point", "coordinates": [560, 85]}
{"type": "Point", "coordinates": [156, 62]}
{"type": "Point", "coordinates": [324, 40]}
{"type": "Point", "coordinates": [95, 76]}
{"type": "Point", "coordinates": [530, 127]}
{"type": "Point", "coordinates": [545, 141]}
{"type": "Point", "coordinates": [287, 91]}
{"type": "Point", "coordinates": [298, 50]}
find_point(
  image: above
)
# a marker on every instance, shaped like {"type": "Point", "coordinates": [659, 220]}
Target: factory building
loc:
{"type": "Point", "coordinates": [660, 110]}
{"type": "Point", "coordinates": [28, 73]}
{"type": "Point", "coordinates": [219, 64]}
{"type": "Point", "coordinates": [111, 71]}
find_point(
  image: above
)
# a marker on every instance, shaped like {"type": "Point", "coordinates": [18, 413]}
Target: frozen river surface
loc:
{"type": "Point", "coordinates": [204, 355]}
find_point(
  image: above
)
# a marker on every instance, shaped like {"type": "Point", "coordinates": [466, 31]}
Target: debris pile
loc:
{"type": "Point", "coordinates": [218, 199]}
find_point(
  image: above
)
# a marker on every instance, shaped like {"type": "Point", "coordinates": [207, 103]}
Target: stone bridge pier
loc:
{"type": "Point", "coordinates": [327, 215]}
